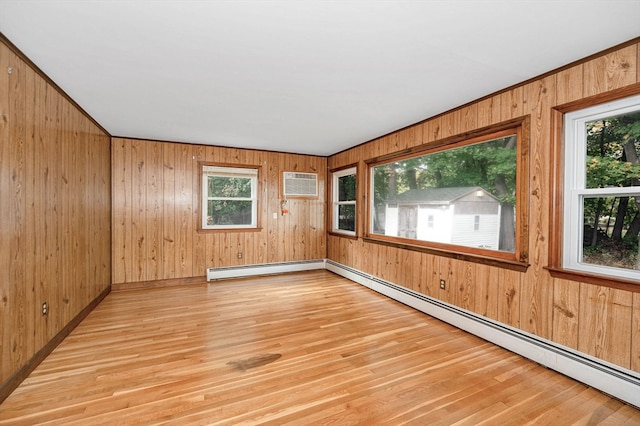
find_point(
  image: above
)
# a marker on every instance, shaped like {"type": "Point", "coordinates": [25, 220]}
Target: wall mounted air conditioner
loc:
{"type": "Point", "coordinates": [295, 184]}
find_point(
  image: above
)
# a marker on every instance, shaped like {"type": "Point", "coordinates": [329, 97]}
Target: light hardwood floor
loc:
{"type": "Point", "coordinates": [304, 348]}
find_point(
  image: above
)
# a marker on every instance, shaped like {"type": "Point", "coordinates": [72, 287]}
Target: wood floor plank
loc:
{"type": "Point", "coordinates": [303, 348]}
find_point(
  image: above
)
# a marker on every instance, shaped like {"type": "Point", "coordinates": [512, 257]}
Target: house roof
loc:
{"type": "Point", "coordinates": [436, 195]}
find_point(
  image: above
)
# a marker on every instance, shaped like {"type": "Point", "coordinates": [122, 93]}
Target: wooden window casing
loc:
{"type": "Point", "coordinates": [556, 229]}
{"type": "Point", "coordinates": [255, 203]}
{"type": "Point", "coordinates": [518, 259]}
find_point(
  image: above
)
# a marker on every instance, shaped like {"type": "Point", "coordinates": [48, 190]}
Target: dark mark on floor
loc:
{"type": "Point", "coordinates": [254, 361]}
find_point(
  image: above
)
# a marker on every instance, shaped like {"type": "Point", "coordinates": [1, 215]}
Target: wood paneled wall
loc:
{"type": "Point", "coordinates": [597, 320]}
{"type": "Point", "coordinates": [55, 211]}
{"type": "Point", "coordinates": [155, 206]}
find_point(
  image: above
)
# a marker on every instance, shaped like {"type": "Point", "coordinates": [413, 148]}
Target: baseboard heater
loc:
{"type": "Point", "coordinates": [609, 378]}
{"type": "Point", "coordinates": [264, 269]}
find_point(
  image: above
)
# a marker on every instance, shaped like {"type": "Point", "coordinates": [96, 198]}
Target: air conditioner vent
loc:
{"type": "Point", "coordinates": [296, 184]}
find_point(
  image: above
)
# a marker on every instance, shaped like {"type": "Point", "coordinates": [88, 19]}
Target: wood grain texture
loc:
{"type": "Point", "coordinates": [537, 292]}
{"type": "Point", "coordinates": [156, 206]}
{"type": "Point", "coordinates": [317, 350]}
{"type": "Point", "coordinates": [8, 305]}
{"type": "Point", "coordinates": [553, 308]}
{"type": "Point", "coordinates": [605, 320]}
{"type": "Point", "coordinates": [566, 312]}
{"type": "Point", "coordinates": [635, 333]}
{"type": "Point", "coordinates": [611, 71]}
{"type": "Point", "coordinates": [55, 220]}
{"type": "Point", "coordinates": [569, 85]}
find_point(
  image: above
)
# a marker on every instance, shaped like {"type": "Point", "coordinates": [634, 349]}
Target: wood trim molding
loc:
{"type": "Point", "coordinates": [557, 192]}
{"type": "Point", "coordinates": [18, 377]}
{"type": "Point", "coordinates": [598, 280]}
{"type": "Point", "coordinates": [505, 90]}
{"type": "Point", "coordinates": [29, 62]}
{"type": "Point", "coordinates": [516, 260]}
{"type": "Point", "coordinates": [612, 95]}
{"type": "Point", "coordinates": [593, 371]}
{"type": "Point", "coordinates": [259, 182]}
{"type": "Point", "coordinates": [461, 139]}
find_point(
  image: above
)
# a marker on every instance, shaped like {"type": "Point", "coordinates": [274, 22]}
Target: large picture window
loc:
{"type": "Point", "coordinates": [229, 197]}
{"type": "Point", "coordinates": [343, 193]}
{"type": "Point", "coordinates": [601, 213]}
{"type": "Point", "coordinates": [464, 196]}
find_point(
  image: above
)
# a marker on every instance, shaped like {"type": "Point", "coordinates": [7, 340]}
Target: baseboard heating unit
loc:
{"type": "Point", "coordinates": [609, 378]}
{"type": "Point", "coordinates": [264, 269]}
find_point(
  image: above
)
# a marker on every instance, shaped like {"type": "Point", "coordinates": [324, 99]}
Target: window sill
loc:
{"type": "Point", "coordinates": [601, 280]}
{"type": "Point", "coordinates": [343, 235]}
{"type": "Point", "coordinates": [204, 231]}
{"type": "Point", "coordinates": [513, 265]}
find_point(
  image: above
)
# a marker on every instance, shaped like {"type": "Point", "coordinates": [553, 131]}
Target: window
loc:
{"type": "Point", "coordinates": [229, 197]}
{"type": "Point", "coordinates": [464, 197]}
{"type": "Point", "coordinates": [344, 201]}
{"type": "Point", "coordinates": [601, 205]}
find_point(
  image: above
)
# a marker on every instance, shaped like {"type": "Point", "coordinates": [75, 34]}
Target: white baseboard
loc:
{"type": "Point", "coordinates": [609, 378]}
{"type": "Point", "coordinates": [263, 269]}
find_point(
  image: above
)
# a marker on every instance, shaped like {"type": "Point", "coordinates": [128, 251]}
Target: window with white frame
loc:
{"type": "Point", "coordinates": [229, 197]}
{"type": "Point", "coordinates": [344, 201]}
{"type": "Point", "coordinates": [601, 214]}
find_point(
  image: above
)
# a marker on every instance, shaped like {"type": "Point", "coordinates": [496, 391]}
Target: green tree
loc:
{"type": "Point", "coordinates": [347, 192]}
{"type": "Point", "coordinates": [229, 208]}
{"type": "Point", "coordinates": [490, 165]}
{"type": "Point", "coordinates": [613, 147]}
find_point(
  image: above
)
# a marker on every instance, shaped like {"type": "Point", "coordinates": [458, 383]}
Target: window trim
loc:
{"type": "Point", "coordinates": [350, 169]}
{"type": "Point", "coordinates": [517, 260]}
{"type": "Point", "coordinates": [203, 198]}
{"type": "Point", "coordinates": [556, 210]}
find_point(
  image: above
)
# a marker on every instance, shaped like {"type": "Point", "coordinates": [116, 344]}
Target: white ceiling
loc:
{"type": "Point", "coordinates": [305, 76]}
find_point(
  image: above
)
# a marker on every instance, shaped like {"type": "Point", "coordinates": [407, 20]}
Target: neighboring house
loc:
{"type": "Point", "coordinates": [468, 216]}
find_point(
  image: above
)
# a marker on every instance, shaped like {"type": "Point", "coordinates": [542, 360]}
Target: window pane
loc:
{"type": "Point", "coordinates": [229, 187]}
{"type": "Point", "coordinates": [442, 197]}
{"type": "Point", "coordinates": [347, 188]}
{"type": "Point", "coordinates": [610, 236]}
{"type": "Point", "coordinates": [227, 212]}
{"type": "Point", "coordinates": [347, 217]}
{"type": "Point", "coordinates": [613, 149]}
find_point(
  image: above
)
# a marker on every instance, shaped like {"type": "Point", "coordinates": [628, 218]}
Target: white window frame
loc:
{"type": "Point", "coordinates": [336, 203]}
{"type": "Point", "coordinates": [575, 187]}
{"type": "Point", "coordinates": [224, 171]}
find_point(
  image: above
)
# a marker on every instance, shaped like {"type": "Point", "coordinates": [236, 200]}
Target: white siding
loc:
{"type": "Point", "coordinates": [442, 224]}
{"type": "Point", "coordinates": [486, 237]}
{"type": "Point", "coordinates": [391, 221]}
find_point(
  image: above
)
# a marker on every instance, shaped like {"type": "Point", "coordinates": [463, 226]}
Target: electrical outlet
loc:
{"type": "Point", "coordinates": [45, 308]}
{"type": "Point", "coordinates": [443, 284]}
{"type": "Point", "coordinates": [239, 255]}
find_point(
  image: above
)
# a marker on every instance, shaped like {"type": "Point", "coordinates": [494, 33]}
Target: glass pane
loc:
{"type": "Point", "coordinates": [610, 236]}
{"type": "Point", "coordinates": [347, 188]}
{"type": "Point", "coordinates": [347, 217]}
{"type": "Point", "coordinates": [613, 149]}
{"type": "Point", "coordinates": [226, 212]}
{"type": "Point", "coordinates": [229, 187]}
{"type": "Point", "coordinates": [463, 196]}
